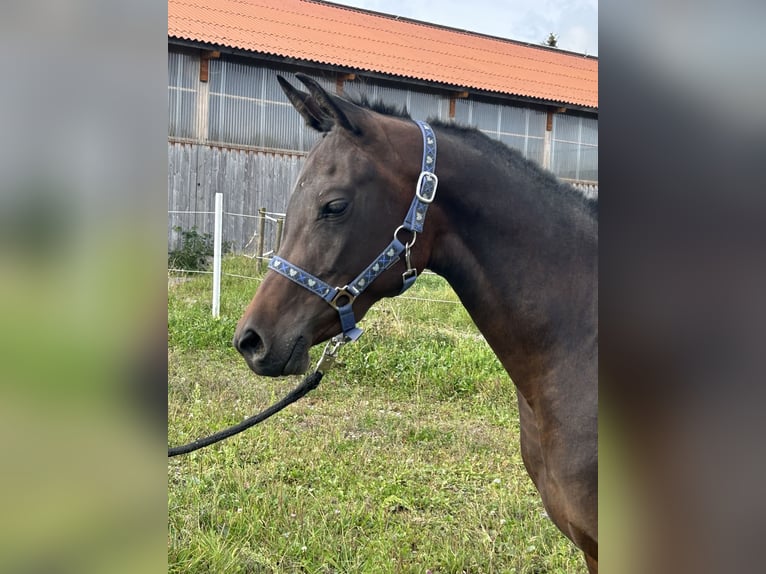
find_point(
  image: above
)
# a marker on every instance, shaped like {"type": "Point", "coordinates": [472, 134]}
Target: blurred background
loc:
{"type": "Point", "coordinates": [82, 286]}
{"type": "Point", "coordinates": [683, 138]}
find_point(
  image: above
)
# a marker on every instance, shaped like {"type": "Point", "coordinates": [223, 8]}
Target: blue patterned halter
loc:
{"type": "Point", "coordinates": [342, 298]}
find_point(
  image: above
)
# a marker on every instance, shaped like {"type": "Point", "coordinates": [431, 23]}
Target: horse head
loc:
{"type": "Point", "coordinates": [347, 203]}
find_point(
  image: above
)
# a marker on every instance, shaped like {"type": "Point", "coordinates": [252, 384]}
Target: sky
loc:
{"type": "Point", "coordinates": [575, 22]}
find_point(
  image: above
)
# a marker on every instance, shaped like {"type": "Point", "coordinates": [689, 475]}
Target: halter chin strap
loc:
{"type": "Point", "coordinates": [342, 298]}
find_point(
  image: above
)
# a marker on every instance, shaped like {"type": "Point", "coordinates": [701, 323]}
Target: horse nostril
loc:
{"type": "Point", "coordinates": [249, 343]}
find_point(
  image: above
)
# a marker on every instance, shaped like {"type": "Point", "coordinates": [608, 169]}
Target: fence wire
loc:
{"type": "Point", "coordinates": [274, 217]}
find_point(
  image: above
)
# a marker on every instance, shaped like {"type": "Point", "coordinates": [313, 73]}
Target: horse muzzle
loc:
{"type": "Point", "coordinates": [289, 356]}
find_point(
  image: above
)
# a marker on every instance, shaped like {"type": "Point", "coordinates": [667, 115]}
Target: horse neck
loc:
{"type": "Point", "coordinates": [522, 257]}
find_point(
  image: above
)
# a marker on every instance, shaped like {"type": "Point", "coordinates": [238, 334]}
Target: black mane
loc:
{"type": "Point", "coordinates": [381, 107]}
{"type": "Point", "coordinates": [482, 141]}
{"type": "Point", "coordinates": [478, 139]}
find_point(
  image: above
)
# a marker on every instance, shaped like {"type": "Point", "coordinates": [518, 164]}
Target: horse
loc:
{"type": "Point", "coordinates": [378, 201]}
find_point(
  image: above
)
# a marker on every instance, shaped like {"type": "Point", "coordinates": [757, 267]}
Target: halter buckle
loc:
{"type": "Point", "coordinates": [424, 175]}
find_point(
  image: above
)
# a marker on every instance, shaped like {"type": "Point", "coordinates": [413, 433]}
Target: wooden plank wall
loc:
{"type": "Point", "coordinates": [249, 180]}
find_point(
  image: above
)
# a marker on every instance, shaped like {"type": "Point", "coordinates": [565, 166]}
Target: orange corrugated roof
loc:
{"type": "Point", "coordinates": [361, 40]}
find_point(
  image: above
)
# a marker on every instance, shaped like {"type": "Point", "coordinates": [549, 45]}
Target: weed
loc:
{"type": "Point", "coordinates": [195, 251]}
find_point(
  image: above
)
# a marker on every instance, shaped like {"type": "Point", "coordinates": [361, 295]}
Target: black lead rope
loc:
{"type": "Point", "coordinates": [308, 384]}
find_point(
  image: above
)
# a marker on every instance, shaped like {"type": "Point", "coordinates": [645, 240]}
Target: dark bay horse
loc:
{"type": "Point", "coordinates": [519, 248]}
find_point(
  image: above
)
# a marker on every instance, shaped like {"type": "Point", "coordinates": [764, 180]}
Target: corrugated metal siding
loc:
{"type": "Point", "coordinates": [248, 108]}
{"type": "Point", "coordinates": [419, 105]}
{"type": "Point", "coordinates": [183, 79]}
{"type": "Point", "coordinates": [427, 106]}
{"type": "Point", "coordinates": [574, 153]}
{"type": "Point", "coordinates": [517, 127]}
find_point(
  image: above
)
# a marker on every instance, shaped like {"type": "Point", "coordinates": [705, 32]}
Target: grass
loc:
{"type": "Point", "coordinates": [405, 459]}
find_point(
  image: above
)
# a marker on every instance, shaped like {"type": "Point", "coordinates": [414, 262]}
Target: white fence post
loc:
{"type": "Point", "coordinates": [217, 232]}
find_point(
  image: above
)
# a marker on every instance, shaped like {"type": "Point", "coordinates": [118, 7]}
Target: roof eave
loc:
{"type": "Point", "coordinates": [189, 43]}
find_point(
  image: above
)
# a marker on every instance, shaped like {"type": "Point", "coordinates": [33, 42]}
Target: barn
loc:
{"type": "Point", "coordinates": [231, 129]}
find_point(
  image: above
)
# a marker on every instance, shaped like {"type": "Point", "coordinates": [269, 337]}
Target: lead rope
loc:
{"type": "Point", "coordinates": [325, 363]}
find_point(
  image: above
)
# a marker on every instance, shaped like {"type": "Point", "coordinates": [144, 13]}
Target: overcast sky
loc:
{"type": "Point", "coordinates": [575, 22]}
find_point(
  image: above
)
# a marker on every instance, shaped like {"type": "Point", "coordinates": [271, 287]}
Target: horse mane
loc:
{"type": "Point", "coordinates": [381, 107]}
{"type": "Point", "coordinates": [478, 139]}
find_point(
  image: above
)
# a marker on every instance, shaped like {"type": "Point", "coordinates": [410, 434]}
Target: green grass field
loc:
{"type": "Point", "coordinates": [404, 459]}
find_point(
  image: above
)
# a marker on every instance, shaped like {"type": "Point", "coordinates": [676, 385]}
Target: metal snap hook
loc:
{"type": "Point", "coordinates": [330, 353]}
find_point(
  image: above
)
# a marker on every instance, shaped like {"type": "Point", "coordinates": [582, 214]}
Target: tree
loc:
{"type": "Point", "coordinates": [552, 40]}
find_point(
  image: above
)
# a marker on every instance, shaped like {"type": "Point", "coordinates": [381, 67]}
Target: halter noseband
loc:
{"type": "Point", "coordinates": [342, 298]}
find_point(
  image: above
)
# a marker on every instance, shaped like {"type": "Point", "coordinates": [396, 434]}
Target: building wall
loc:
{"type": "Point", "coordinates": [249, 180]}
{"type": "Point", "coordinates": [238, 134]}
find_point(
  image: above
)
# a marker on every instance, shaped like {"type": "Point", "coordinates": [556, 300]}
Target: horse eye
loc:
{"type": "Point", "coordinates": [334, 208]}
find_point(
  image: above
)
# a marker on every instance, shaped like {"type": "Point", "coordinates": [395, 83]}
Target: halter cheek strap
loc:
{"type": "Point", "coordinates": [342, 298]}
{"type": "Point", "coordinates": [425, 190]}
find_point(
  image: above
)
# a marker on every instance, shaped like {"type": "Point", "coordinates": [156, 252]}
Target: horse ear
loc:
{"type": "Point", "coordinates": [307, 107]}
{"type": "Point", "coordinates": [341, 111]}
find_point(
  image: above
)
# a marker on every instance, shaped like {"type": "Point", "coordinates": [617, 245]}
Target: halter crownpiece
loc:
{"type": "Point", "coordinates": [342, 298]}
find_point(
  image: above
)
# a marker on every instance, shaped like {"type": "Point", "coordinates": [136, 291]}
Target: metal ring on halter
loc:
{"type": "Point", "coordinates": [347, 292]}
{"type": "Point", "coordinates": [414, 236]}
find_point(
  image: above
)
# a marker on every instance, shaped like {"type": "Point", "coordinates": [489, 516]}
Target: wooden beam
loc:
{"type": "Point", "coordinates": [454, 96]}
{"type": "Point", "coordinates": [549, 120]}
{"type": "Point", "coordinates": [340, 80]}
{"type": "Point", "coordinates": [204, 58]}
